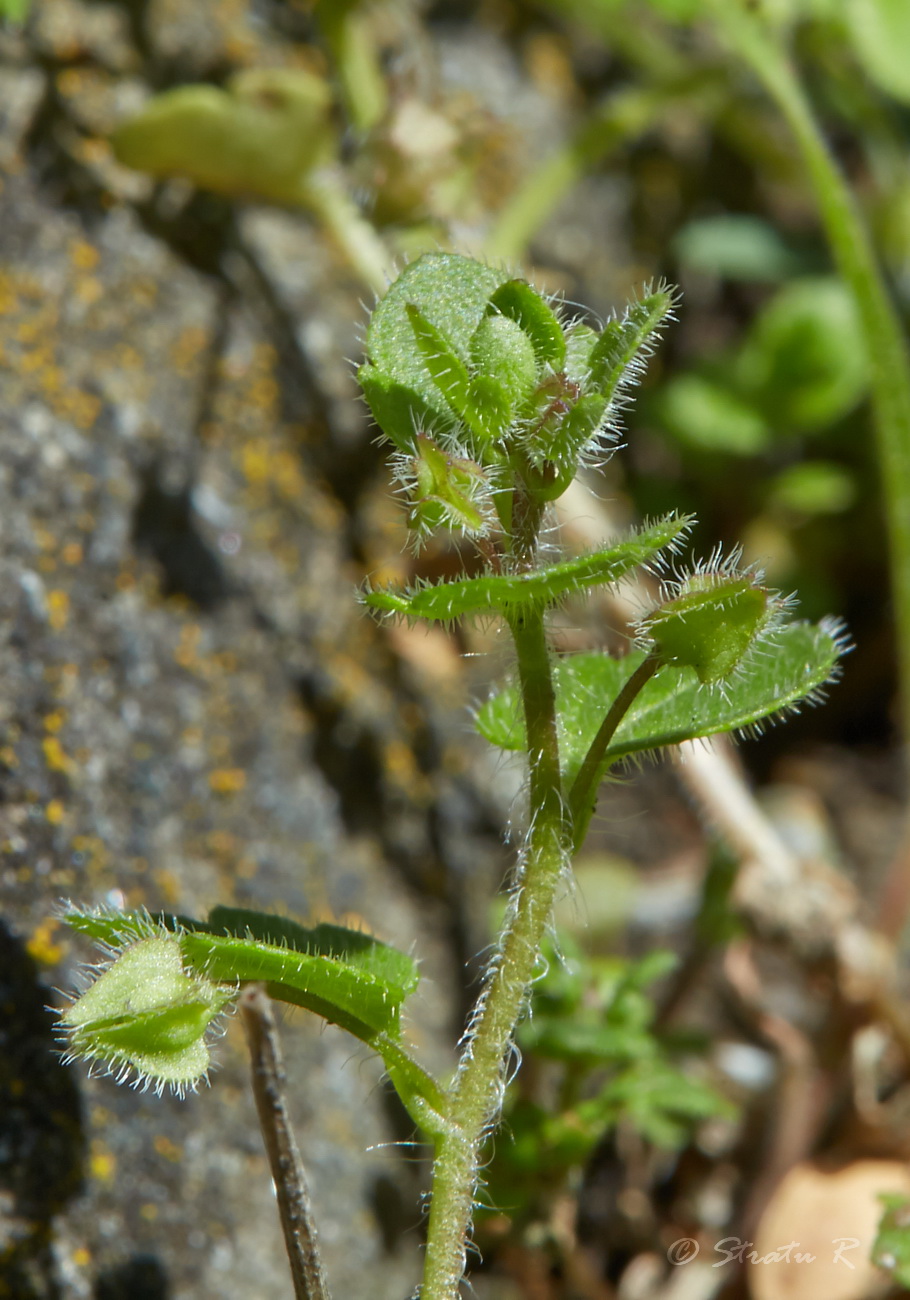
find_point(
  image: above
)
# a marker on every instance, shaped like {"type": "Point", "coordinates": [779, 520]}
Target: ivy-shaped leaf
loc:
{"type": "Point", "coordinates": [795, 663]}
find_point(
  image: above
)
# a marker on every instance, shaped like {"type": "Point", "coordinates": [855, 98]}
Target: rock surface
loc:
{"type": "Point", "coordinates": [193, 708]}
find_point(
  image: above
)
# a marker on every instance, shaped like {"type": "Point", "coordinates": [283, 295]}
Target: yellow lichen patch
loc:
{"type": "Point", "coordinates": [37, 359]}
{"type": "Point", "coordinates": [58, 609]}
{"type": "Point", "coordinates": [227, 780]}
{"type": "Point", "coordinates": [72, 553]}
{"type": "Point", "coordinates": [84, 256]}
{"type": "Point", "coordinates": [54, 755]}
{"type": "Point", "coordinates": [93, 849]}
{"type": "Point", "coordinates": [189, 345]}
{"type": "Point", "coordinates": [89, 289]}
{"type": "Point", "coordinates": [41, 946]}
{"type": "Point", "coordinates": [188, 646]}
{"type": "Point", "coordinates": [54, 721]}
{"type": "Point", "coordinates": [254, 461]}
{"type": "Point", "coordinates": [126, 357]}
{"type": "Point", "coordinates": [167, 885]}
{"type": "Point", "coordinates": [165, 1147]}
{"type": "Point", "coordinates": [44, 539]}
{"type": "Point", "coordinates": [102, 1163]}
{"type": "Point", "coordinates": [263, 392]}
{"type": "Point", "coordinates": [222, 843]}
{"type": "Point", "coordinates": [78, 406]}
{"type": "Point", "coordinates": [55, 812]}
{"type": "Point", "coordinates": [9, 300]}
{"type": "Point", "coordinates": [401, 768]}
{"type": "Point", "coordinates": [8, 756]}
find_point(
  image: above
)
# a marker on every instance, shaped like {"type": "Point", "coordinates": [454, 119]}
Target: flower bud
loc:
{"type": "Point", "coordinates": [145, 1013]}
{"type": "Point", "coordinates": [711, 619]}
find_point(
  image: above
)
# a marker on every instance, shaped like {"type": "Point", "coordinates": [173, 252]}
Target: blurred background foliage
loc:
{"type": "Point", "coordinates": [755, 415]}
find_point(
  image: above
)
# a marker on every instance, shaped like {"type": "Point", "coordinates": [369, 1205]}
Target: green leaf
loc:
{"type": "Point", "coordinates": [146, 1013]}
{"type": "Point", "coordinates": [517, 301]}
{"type": "Point", "coordinates": [711, 417]}
{"type": "Point", "coordinates": [891, 1250]}
{"type": "Point", "coordinates": [880, 31]}
{"type": "Point", "coordinates": [619, 354]}
{"type": "Point", "coordinates": [452, 294]}
{"type": "Point", "coordinates": [660, 1102]}
{"type": "Point", "coordinates": [557, 442]}
{"type": "Point", "coordinates": [805, 363]}
{"type": "Point", "coordinates": [796, 662]}
{"type": "Point", "coordinates": [813, 487]}
{"type": "Point", "coordinates": [736, 247]}
{"type": "Point", "coordinates": [510, 594]}
{"type": "Point", "coordinates": [347, 977]}
{"type": "Point", "coordinates": [261, 135]}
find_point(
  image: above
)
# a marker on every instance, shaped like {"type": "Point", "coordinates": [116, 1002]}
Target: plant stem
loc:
{"type": "Point", "coordinates": [291, 1188]}
{"type": "Point", "coordinates": [626, 115]}
{"type": "Point", "coordinates": [476, 1094]}
{"type": "Point", "coordinates": [855, 258]}
{"type": "Point", "coordinates": [583, 795]}
{"type": "Point", "coordinates": [324, 194]}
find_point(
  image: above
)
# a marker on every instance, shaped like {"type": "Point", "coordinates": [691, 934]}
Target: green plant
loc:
{"type": "Point", "coordinates": [493, 399]}
{"type": "Point", "coordinates": [590, 1033]}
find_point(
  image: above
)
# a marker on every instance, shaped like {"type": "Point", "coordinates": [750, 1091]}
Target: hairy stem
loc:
{"type": "Point", "coordinates": [291, 1188]}
{"type": "Point", "coordinates": [583, 795]}
{"type": "Point", "coordinates": [476, 1095]}
{"type": "Point", "coordinates": [855, 257]}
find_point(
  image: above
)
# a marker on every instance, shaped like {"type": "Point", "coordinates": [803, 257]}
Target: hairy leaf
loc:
{"type": "Point", "coordinates": [451, 294]}
{"type": "Point", "coordinates": [792, 665]}
{"type": "Point", "coordinates": [509, 594]}
{"type": "Point", "coordinates": [519, 302]}
{"type": "Point", "coordinates": [347, 977]}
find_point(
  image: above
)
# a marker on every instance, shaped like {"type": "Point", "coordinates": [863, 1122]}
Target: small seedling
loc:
{"type": "Point", "coordinates": [494, 399]}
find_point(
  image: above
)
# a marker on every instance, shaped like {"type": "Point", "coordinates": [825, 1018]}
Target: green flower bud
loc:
{"type": "Point", "coordinates": [500, 347]}
{"type": "Point", "coordinates": [145, 1013]}
{"type": "Point", "coordinates": [446, 490]}
{"type": "Point", "coordinates": [711, 620]}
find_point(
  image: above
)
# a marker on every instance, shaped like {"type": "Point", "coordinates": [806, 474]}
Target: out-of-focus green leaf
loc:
{"type": "Point", "coordinates": [261, 135]}
{"type": "Point", "coordinates": [736, 246]}
{"type": "Point", "coordinates": [14, 11]}
{"type": "Point", "coordinates": [805, 362]}
{"type": "Point", "coordinates": [891, 1250]}
{"type": "Point", "coordinates": [814, 487]}
{"type": "Point", "coordinates": [707, 415]}
{"type": "Point", "coordinates": [880, 31]}
{"type": "Point", "coordinates": [794, 664]}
